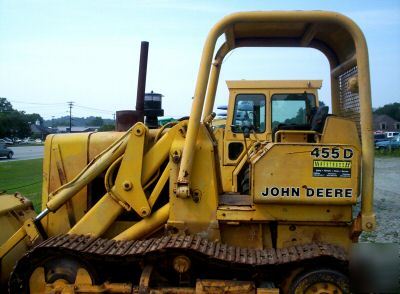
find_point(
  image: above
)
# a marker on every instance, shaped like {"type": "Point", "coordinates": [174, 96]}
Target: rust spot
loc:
{"type": "Point", "coordinates": [337, 216]}
{"type": "Point", "coordinates": [316, 236]}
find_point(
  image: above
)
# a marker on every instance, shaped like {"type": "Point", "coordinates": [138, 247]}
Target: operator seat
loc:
{"type": "Point", "coordinates": [319, 118]}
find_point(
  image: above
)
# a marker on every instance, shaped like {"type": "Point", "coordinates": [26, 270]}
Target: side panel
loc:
{"type": "Point", "coordinates": [65, 156]}
{"type": "Point", "coordinates": [306, 173]}
{"type": "Point", "coordinates": [100, 141]}
{"type": "Point", "coordinates": [298, 234]}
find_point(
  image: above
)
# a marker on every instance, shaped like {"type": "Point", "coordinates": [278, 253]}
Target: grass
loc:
{"type": "Point", "coordinates": [27, 145]}
{"type": "Point", "coordinates": [387, 153]}
{"type": "Point", "coordinates": [23, 176]}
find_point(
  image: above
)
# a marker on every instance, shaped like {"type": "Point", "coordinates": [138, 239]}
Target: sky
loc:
{"type": "Point", "coordinates": [52, 52]}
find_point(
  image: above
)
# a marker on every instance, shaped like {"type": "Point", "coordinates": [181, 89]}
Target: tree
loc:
{"type": "Point", "coordinates": [5, 105]}
{"type": "Point", "coordinates": [33, 117]}
{"type": "Point", "coordinates": [107, 128]}
{"type": "Point", "coordinates": [96, 121]}
{"type": "Point", "coordinates": [13, 123]}
{"type": "Point", "coordinates": [392, 110]}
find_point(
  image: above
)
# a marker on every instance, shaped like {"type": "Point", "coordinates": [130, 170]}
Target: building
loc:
{"type": "Point", "coordinates": [39, 131]}
{"type": "Point", "coordinates": [385, 123]}
{"type": "Point", "coordinates": [77, 129]}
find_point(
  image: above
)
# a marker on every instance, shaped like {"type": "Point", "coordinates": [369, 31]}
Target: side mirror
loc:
{"type": "Point", "coordinates": [246, 131]}
{"type": "Point", "coordinates": [235, 128]}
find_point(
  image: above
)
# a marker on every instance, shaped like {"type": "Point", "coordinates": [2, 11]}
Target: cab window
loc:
{"type": "Point", "coordinates": [291, 109]}
{"type": "Point", "coordinates": [249, 112]}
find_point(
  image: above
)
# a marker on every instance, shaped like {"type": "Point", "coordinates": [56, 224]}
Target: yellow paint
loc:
{"type": "Point", "coordinates": [15, 213]}
{"type": "Point", "coordinates": [128, 184]}
{"type": "Point", "coordinates": [300, 234]}
{"type": "Point", "coordinates": [195, 160]}
{"type": "Point", "coordinates": [146, 226]}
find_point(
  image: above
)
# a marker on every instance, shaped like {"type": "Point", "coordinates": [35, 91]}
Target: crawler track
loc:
{"type": "Point", "coordinates": [127, 256]}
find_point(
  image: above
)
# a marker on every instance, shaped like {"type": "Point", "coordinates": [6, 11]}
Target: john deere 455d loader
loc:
{"type": "Point", "coordinates": [263, 205]}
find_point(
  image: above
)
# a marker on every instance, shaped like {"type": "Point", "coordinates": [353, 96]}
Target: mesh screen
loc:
{"type": "Point", "coordinates": [349, 102]}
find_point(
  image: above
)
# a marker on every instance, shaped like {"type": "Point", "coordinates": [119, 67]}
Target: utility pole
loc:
{"type": "Point", "coordinates": [70, 104]}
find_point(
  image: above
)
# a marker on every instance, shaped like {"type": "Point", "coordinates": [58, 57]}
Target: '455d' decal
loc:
{"type": "Point", "coordinates": [332, 153]}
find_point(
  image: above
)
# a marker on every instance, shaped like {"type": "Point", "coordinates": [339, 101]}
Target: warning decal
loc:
{"type": "Point", "coordinates": [332, 168]}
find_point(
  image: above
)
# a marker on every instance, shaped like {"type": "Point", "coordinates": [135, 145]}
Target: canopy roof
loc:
{"type": "Point", "coordinates": [274, 84]}
{"type": "Point", "coordinates": [329, 32]}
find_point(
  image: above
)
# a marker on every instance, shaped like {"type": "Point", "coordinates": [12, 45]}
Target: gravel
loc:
{"type": "Point", "coordinates": [387, 202]}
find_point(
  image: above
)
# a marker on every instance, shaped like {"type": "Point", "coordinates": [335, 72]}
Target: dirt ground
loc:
{"type": "Point", "coordinates": [387, 201]}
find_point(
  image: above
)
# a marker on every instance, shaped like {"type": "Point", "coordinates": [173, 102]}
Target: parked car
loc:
{"type": "Point", "coordinates": [391, 134]}
{"type": "Point", "coordinates": [5, 151]}
{"type": "Point", "coordinates": [379, 137]}
{"type": "Point", "coordinates": [392, 143]}
{"type": "Point", "coordinates": [17, 141]}
{"type": "Point", "coordinates": [28, 141]}
{"type": "Point", "coordinates": [6, 141]}
{"type": "Point", "coordinates": [38, 141]}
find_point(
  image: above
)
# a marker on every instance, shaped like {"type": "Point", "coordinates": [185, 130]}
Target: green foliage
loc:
{"type": "Point", "coordinates": [5, 105]}
{"type": "Point", "coordinates": [107, 128]}
{"type": "Point", "coordinates": [392, 110]}
{"type": "Point", "coordinates": [14, 123]}
{"type": "Point", "coordinates": [64, 123]}
{"type": "Point", "coordinates": [387, 153]}
{"type": "Point", "coordinates": [96, 121]}
{"type": "Point", "coordinates": [33, 118]}
{"type": "Point", "coordinates": [76, 121]}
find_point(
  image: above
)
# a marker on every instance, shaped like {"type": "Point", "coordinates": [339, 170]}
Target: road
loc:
{"type": "Point", "coordinates": [25, 152]}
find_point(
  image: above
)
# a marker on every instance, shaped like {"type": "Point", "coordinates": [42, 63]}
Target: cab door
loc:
{"type": "Point", "coordinates": [247, 117]}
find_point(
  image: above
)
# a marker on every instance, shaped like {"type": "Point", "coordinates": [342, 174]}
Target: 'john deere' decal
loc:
{"type": "Point", "coordinates": [307, 192]}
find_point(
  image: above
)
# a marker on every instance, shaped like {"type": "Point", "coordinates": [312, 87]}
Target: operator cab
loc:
{"type": "Point", "coordinates": [264, 106]}
{"type": "Point", "coordinates": [266, 112]}
{"type": "Point", "coordinates": [260, 110]}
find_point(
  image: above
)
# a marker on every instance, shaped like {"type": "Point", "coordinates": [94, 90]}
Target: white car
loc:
{"type": "Point", "coordinates": [28, 141]}
{"type": "Point", "coordinates": [391, 134]}
{"type": "Point", "coordinates": [6, 141]}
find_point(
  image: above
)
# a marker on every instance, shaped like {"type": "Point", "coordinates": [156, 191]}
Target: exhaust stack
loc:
{"type": "Point", "coordinates": [127, 118]}
{"type": "Point", "coordinates": [141, 86]}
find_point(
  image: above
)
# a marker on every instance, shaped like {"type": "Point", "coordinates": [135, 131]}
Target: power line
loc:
{"type": "Point", "coordinates": [55, 106]}
{"type": "Point", "coordinates": [59, 104]}
{"type": "Point", "coordinates": [34, 103]}
{"type": "Point", "coordinates": [96, 109]}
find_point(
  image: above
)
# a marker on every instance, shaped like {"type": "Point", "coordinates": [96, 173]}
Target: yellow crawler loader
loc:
{"type": "Point", "coordinates": [261, 204]}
